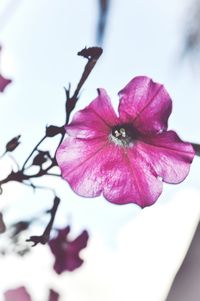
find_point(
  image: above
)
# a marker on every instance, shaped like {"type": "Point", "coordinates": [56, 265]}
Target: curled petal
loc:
{"type": "Point", "coordinates": [168, 155]}
{"type": "Point", "coordinates": [145, 104]}
{"type": "Point", "coordinates": [95, 120]}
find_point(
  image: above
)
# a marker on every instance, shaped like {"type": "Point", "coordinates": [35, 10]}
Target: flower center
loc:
{"type": "Point", "coordinates": [123, 135]}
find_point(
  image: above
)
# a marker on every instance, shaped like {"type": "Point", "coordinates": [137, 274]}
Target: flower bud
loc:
{"type": "Point", "coordinates": [13, 143]}
{"type": "Point", "coordinates": [40, 158]}
{"type": "Point", "coordinates": [53, 130]}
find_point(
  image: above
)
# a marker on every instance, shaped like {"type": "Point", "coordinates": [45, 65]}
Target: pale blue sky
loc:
{"type": "Point", "coordinates": [40, 43]}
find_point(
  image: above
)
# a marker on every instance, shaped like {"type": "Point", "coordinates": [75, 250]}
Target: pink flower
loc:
{"type": "Point", "coordinates": [125, 158]}
{"type": "Point", "coordinates": [21, 294]}
{"type": "Point", "coordinates": [18, 294]}
{"type": "Point", "coordinates": [66, 251]}
{"type": "Point", "coordinates": [4, 83]}
{"type": "Point", "coordinates": [53, 296]}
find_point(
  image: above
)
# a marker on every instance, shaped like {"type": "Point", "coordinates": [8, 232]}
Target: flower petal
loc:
{"type": "Point", "coordinates": [146, 104]}
{"type": "Point", "coordinates": [18, 294]}
{"type": "Point", "coordinates": [53, 295]}
{"type": "Point", "coordinates": [80, 161]}
{"type": "Point", "coordinates": [92, 167]}
{"type": "Point", "coordinates": [130, 179]}
{"type": "Point", "coordinates": [66, 251]}
{"type": "Point", "coordinates": [81, 241]}
{"type": "Point", "coordinates": [4, 82]}
{"type": "Point", "coordinates": [72, 262]}
{"type": "Point", "coordinates": [95, 120]}
{"type": "Point", "coordinates": [62, 235]}
{"type": "Point", "coordinates": [168, 155]}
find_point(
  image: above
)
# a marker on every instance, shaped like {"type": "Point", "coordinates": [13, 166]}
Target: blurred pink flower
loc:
{"type": "Point", "coordinates": [53, 296]}
{"type": "Point", "coordinates": [17, 294]}
{"type": "Point", "coordinates": [3, 83]}
{"type": "Point", "coordinates": [66, 251]}
{"type": "Point", "coordinates": [20, 294]}
{"type": "Point", "coordinates": [125, 158]}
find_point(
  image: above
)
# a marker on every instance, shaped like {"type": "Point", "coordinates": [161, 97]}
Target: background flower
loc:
{"type": "Point", "coordinates": [4, 82]}
{"type": "Point", "coordinates": [66, 251]}
{"type": "Point", "coordinates": [17, 294]}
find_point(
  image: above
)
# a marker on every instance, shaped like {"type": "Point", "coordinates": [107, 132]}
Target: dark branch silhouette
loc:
{"type": "Point", "coordinates": [38, 157]}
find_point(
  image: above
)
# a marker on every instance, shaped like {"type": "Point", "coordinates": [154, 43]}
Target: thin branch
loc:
{"type": "Point", "coordinates": [92, 54]}
{"type": "Point", "coordinates": [53, 174]}
{"type": "Point", "coordinates": [34, 149]}
{"type": "Point", "coordinates": [102, 22]}
{"type": "Point", "coordinates": [44, 238]}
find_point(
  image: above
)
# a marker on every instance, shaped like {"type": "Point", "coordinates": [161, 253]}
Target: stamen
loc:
{"type": "Point", "coordinates": [123, 135]}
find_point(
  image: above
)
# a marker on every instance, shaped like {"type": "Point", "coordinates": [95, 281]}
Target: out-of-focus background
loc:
{"type": "Point", "coordinates": [132, 254]}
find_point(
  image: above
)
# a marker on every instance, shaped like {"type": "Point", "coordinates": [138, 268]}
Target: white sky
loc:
{"type": "Point", "coordinates": [40, 43]}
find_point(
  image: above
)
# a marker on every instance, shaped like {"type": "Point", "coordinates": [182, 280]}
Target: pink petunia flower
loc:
{"type": "Point", "coordinates": [17, 294]}
{"type": "Point", "coordinates": [66, 251]}
{"type": "Point", "coordinates": [125, 158]}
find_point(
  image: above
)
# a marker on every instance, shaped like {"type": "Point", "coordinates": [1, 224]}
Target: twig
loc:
{"type": "Point", "coordinates": [34, 149]}
{"type": "Point", "coordinates": [92, 54]}
{"type": "Point", "coordinates": [44, 238]}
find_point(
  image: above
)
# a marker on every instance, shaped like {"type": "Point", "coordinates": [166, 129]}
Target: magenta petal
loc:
{"type": "Point", "coordinates": [62, 234]}
{"type": "Point", "coordinates": [66, 251]}
{"type": "Point", "coordinates": [168, 155]}
{"type": "Point", "coordinates": [145, 104]}
{"type": "Point", "coordinates": [92, 167]}
{"type": "Point", "coordinates": [130, 179]}
{"type": "Point", "coordinates": [72, 262]}
{"type": "Point", "coordinates": [53, 295]}
{"type": "Point", "coordinates": [95, 120]}
{"type": "Point", "coordinates": [18, 294]}
{"type": "Point", "coordinates": [80, 161]}
{"type": "Point", "coordinates": [4, 83]}
{"type": "Point", "coordinates": [81, 241]}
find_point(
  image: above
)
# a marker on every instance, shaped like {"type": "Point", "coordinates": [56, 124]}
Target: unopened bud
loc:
{"type": "Point", "coordinates": [13, 143]}
{"type": "Point", "coordinates": [53, 130]}
{"type": "Point", "coordinates": [40, 158]}
{"type": "Point", "coordinates": [91, 52]}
